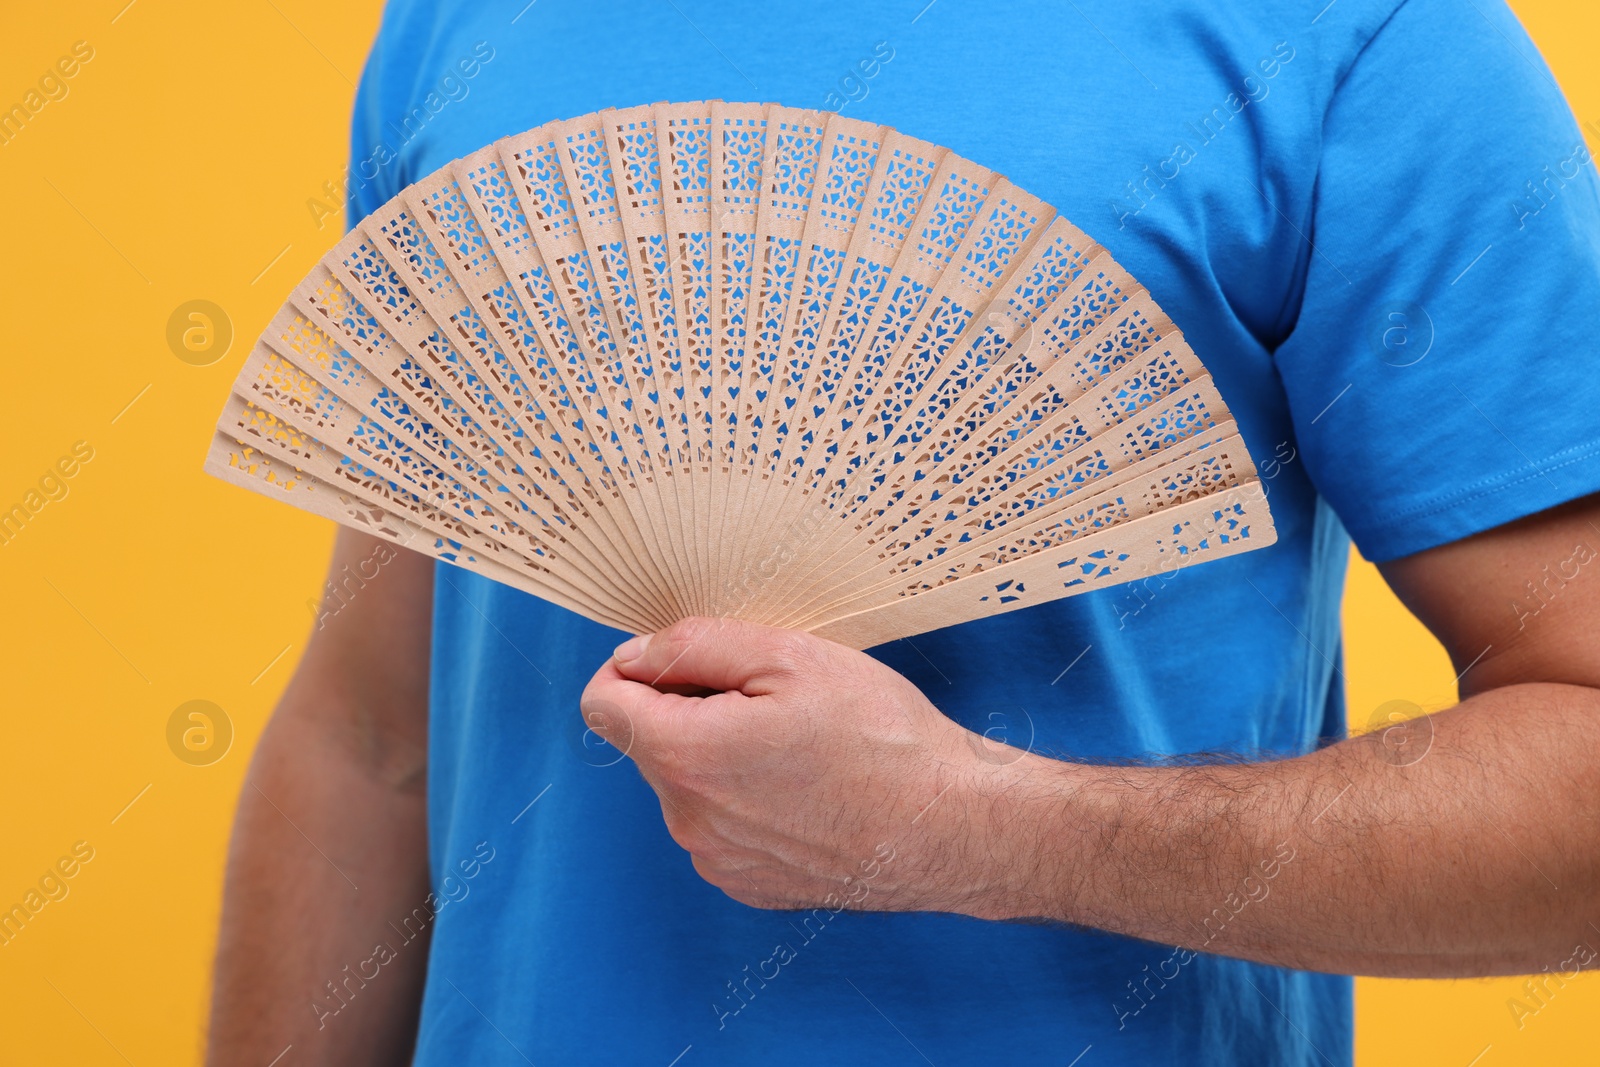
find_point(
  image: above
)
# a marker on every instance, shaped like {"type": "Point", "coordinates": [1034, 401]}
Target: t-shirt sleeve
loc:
{"type": "Point", "coordinates": [1442, 371]}
{"type": "Point", "coordinates": [377, 171]}
{"type": "Point", "coordinates": [368, 185]}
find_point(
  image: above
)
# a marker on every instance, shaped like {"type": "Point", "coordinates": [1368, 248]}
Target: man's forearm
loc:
{"type": "Point", "coordinates": [327, 865]}
{"type": "Point", "coordinates": [1482, 856]}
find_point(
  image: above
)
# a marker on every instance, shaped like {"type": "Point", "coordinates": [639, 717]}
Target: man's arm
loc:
{"type": "Point", "coordinates": [1464, 844]}
{"type": "Point", "coordinates": [819, 777]}
{"type": "Point", "coordinates": [329, 852]}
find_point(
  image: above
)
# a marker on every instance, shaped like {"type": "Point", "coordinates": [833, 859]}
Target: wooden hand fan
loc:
{"type": "Point", "coordinates": [743, 360]}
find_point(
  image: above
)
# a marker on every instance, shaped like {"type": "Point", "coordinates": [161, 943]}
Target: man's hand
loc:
{"type": "Point", "coordinates": [812, 775]}
{"type": "Point", "coordinates": [812, 770]}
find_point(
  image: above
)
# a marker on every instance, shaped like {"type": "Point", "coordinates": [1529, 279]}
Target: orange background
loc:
{"type": "Point", "coordinates": [148, 585]}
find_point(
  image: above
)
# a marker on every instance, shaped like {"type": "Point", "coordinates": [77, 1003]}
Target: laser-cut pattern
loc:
{"type": "Point", "coordinates": [742, 359]}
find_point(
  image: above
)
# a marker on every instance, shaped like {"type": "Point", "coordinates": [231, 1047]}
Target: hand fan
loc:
{"type": "Point", "coordinates": [743, 360]}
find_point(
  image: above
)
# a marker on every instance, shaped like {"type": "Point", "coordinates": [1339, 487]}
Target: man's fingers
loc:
{"type": "Point", "coordinates": [625, 713]}
{"type": "Point", "coordinates": [721, 655]}
{"type": "Point", "coordinates": [664, 733]}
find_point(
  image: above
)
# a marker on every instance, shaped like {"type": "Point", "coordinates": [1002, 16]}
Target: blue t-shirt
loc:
{"type": "Point", "coordinates": [1374, 221]}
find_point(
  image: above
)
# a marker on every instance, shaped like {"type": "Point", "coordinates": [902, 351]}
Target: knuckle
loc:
{"type": "Point", "coordinates": [705, 868]}
{"type": "Point", "coordinates": [684, 832]}
{"type": "Point", "coordinates": [794, 654]}
{"type": "Point", "coordinates": [610, 720]}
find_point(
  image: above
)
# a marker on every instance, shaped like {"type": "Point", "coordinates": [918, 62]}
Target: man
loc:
{"type": "Point", "coordinates": [1110, 829]}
